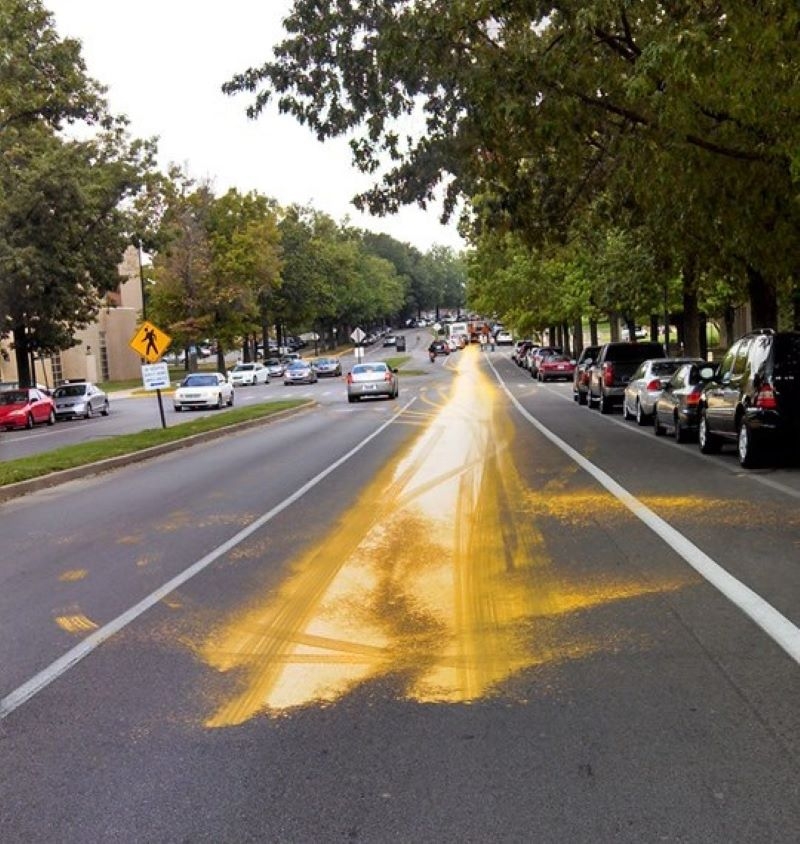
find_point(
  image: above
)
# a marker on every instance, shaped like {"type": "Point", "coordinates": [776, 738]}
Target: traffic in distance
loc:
{"type": "Point", "coordinates": [750, 399]}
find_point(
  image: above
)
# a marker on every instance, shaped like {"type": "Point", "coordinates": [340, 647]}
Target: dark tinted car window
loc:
{"type": "Point", "coordinates": [664, 367]}
{"type": "Point", "coordinates": [787, 354]}
{"type": "Point", "coordinates": [634, 351]}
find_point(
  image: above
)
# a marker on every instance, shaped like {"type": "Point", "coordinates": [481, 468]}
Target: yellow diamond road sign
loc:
{"type": "Point", "coordinates": [150, 342]}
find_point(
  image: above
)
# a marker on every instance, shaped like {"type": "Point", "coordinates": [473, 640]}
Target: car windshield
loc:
{"type": "Point", "coordinates": [200, 381]}
{"type": "Point", "coordinates": [14, 397]}
{"type": "Point", "coordinates": [71, 391]}
{"type": "Point", "coordinates": [556, 359]}
{"type": "Point", "coordinates": [361, 368]}
{"type": "Point", "coordinates": [297, 365]}
{"type": "Point", "coordinates": [244, 367]}
{"type": "Point", "coordinates": [273, 362]}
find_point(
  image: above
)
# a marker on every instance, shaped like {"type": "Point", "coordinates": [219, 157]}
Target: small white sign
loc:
{"type": "Point", "coordinates": [155, 376]}
{"type": "Point", "coordinates": [357, 335]}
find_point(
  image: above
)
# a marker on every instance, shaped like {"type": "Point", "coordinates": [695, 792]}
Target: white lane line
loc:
{"type": "Point", "coordinates": [43, 679]}
{"type": "Point", "coordinates": [775, 625]}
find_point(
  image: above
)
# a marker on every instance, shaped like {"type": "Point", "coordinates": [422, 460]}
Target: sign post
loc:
{"type": "Point", "coordinates": [151, 343]}
{"type": "Point", "coordinates": [357, 336]}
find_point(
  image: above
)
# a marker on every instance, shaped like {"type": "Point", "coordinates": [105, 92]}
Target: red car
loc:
{"type": "Point", "coordinates": [555, 366]}
{"type": "Point", "coordinates": [26, 407]}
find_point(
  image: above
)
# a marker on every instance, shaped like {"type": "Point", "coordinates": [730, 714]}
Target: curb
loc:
{"type": "Point", "coordinates": [16, 490]}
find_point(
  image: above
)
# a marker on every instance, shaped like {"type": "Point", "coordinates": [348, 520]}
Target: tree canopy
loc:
{"type": "Point", "coordinates": [681, 116]}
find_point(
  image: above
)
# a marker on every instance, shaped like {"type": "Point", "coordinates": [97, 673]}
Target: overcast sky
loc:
{"type": "Point", "coordinates": [164, 61]}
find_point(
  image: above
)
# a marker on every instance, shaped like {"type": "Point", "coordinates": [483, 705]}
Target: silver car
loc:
{"type": "Point", "coordinates": [372, 379]}
{"type": "Point", "coordinates": [646, 385]}
{"type": "Point", "coordinates": [79, 399]}
{"type": "Point", "coordinates": [299, 372]}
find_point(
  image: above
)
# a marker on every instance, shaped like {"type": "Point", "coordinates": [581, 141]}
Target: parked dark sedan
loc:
{"type": "Point", "coordinates": [676, 409]}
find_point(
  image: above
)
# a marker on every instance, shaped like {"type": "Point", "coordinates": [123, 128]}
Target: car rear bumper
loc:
{"type": "Point", "coordinates": [359, 390]}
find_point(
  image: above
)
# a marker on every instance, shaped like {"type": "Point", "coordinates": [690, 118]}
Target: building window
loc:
{"type": "Point", "coordinates": [58, 369]}
{"type": "Point", "coordinates": [104, 370]}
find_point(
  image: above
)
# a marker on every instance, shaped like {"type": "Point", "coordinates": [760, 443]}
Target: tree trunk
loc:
{"type": "Point", "coordinates": [613, 324]}
{"type": "Point", "coordinates": [654, 323]}
{"type": "Point", "coordinates": [763, 300]}
{"type": "Point", "coordinates": [691, 312]}
{"type": "Point", "coordinates": [796, 304]}
{"type": "Point", "coordinates": [22, 356]}
{"type": "Point", "coordinates": [565, 335]}
{"type": "Point", "coordinates": [593, 340]}
{"type": "Point", "coordinates": [577, 333]}
{"type": "Point", "coordinates": [220, 358]}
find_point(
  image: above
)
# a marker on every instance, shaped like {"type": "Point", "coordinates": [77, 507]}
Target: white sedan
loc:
{"type": "Point", "coordinates": [203, 389]}
{"type": "Point", "coordinates": [248, 373]}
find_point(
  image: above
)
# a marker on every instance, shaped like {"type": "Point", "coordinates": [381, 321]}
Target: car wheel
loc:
{"type": "Point", "coordinates": [219, 401]}
{"type": "Point", "coordinates": [589, 399]}
{"type": "Point", "coordinates": [581, 397]}
{"type": "Point", "coordinates": [681, 431]}
{"type": "Point", "coordinates": [658, 429]}
{"type": "Point", "coordinates": [641, 417]}
{"type": "Point", "coordinates": [604, 403]}
{"type": "Point", "coordinates": [29, 421]}
{"type": "Point", "coordinates": [106, 409]}
{"type": "Point", "coordinates": [352, 399]}
{"type": "Point", "coordinates": [748, 448]}
{"type": "Point", "coordinates": [230, 400]}
{"type": "Point", "coordinates": [88, 413]}
{"type": "Point", "coordinates": [709, 444]}
{"type": "Point", "coordinates": [625, 412]}
{"type": "Point", "coordinates": [51, 419]}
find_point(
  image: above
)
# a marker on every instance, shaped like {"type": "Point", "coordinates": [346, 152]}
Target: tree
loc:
{"type": "Point", "coordinates": [64, 215]}
{"type": "Point", "coordinates": [541, 108]}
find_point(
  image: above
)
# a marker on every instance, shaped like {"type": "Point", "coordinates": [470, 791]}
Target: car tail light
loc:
{"type": "Point", "coordinates": [654, 386]}
{"type": "Point", "coordinates": [693, 398]}
{"type": "Point", "coordinates": [608, 375]}
{"type": "Point", "coordinates": [765, 398]}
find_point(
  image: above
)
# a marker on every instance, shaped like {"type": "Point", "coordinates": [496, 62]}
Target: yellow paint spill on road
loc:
{"type": "Point", "coordinates": [434, 578]}
{"type": "Point", "coordinates": [75, 623]}
{"type": "Point", "coordinates": [73, 575]}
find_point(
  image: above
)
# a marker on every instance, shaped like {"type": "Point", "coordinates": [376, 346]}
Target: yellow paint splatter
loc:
{"type": "Point", "coordinates": [73, 575]}
{"type": "Point", "coordinates": [75, 623]}
{"type": "Point", "coordinates": [433, 577]}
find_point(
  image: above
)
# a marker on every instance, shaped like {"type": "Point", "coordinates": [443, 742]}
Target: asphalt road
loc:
{"type": "Point", "coordinates": [479, 613]}
{"type": "Point", "coordinates": [131, 413]}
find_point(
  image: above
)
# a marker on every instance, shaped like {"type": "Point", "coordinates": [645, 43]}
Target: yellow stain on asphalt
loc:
{"type": "Point", "coordinates": [434, 579]}
{"type": "Point", "coordinates": [73, 575]}
{"type": "Point", "coordinates": [75, 623]}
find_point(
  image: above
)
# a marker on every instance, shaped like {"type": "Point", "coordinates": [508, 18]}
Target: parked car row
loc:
{"type": "Point", "coordinates": [545, 363]}
{"type": "Point", "coordinates": [751, 399]}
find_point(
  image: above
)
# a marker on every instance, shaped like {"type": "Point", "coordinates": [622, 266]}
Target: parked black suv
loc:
{"type": "Point", "coordinates": [754, 398]}
{"type": "Point", "coordinates": [612, 369]}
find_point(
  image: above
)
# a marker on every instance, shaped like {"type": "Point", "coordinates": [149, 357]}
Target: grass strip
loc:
{"type": "Point", "coordinates": [68, 457]}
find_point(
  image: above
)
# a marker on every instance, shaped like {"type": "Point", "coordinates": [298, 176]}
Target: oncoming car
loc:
{"type": "Point", "coordinates": [25, 407]}
{"type": "Point", "coordinates": [299, 372]}
{"type": "Point", "coordinates": [203, 389]}
{"type": "Point", "coordinates": [79, 399]}
{"type": "Point", "coordinates": [327, 367]}
{"type": "Point", "coordinates": [248, 373]}
{"type": "Point", "coordinates": [372, 379]}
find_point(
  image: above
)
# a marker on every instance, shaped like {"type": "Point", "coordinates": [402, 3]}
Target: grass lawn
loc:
{"type": "Point", "coordinates": [68, 457]}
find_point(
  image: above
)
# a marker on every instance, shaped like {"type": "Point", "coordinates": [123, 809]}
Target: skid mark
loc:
{"type": "Point", "coordinates": [438, 577]}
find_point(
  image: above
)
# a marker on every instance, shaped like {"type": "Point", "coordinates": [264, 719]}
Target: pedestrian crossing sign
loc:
{"type": "Point", "coordinates": [150, 342]}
